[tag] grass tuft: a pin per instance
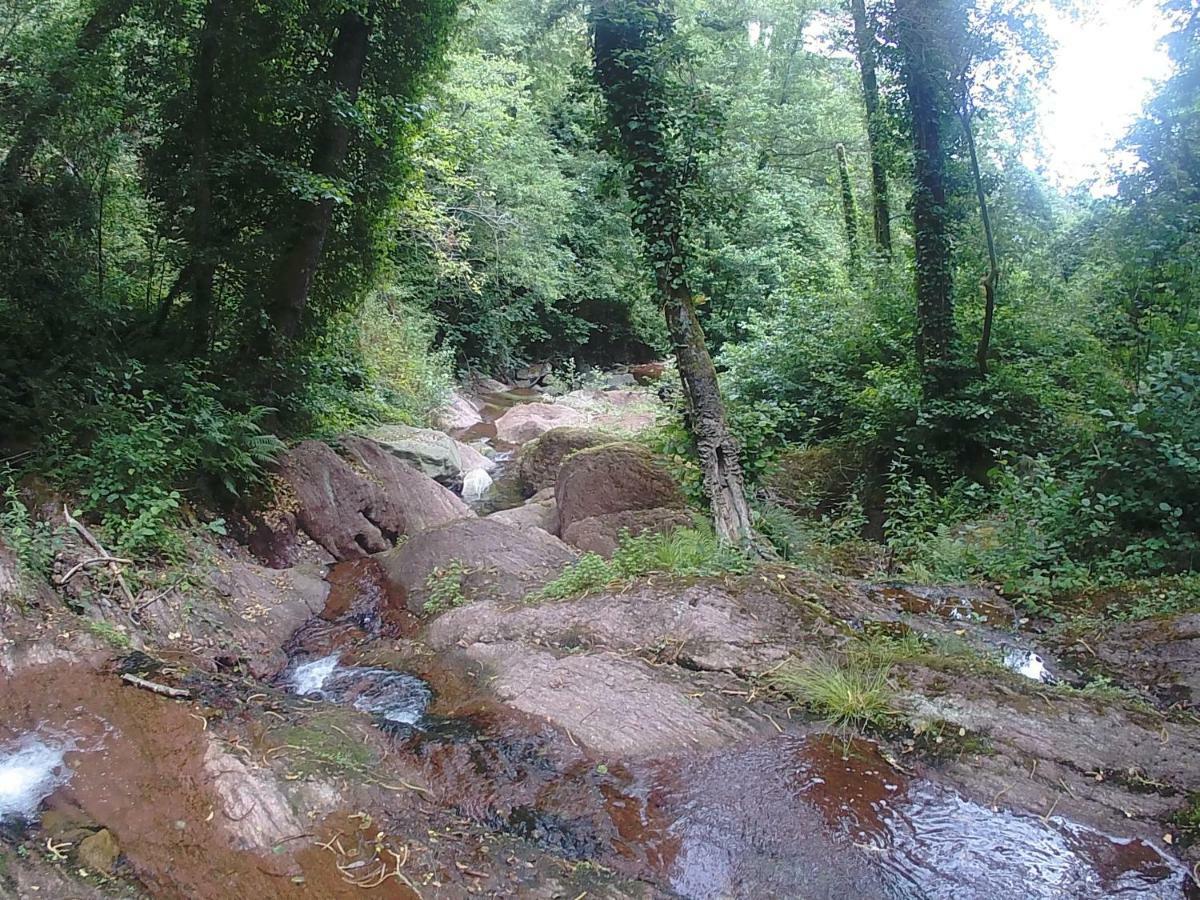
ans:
(852, 695)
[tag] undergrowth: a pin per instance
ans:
(445, 588)
(851, 693)
(683, 551)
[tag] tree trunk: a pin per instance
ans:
(849, 207)
(991, 280)
(298, 266)
(104, 19)
(929, 92)
(628, 44)
(203, 263)
(864, 39)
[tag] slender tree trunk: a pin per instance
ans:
(849, 207)
(203, 265)
(991, 280)
(864, 39)
(628, 41)
(298, 266)
(104, 19)
(929, 92)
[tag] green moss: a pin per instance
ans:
(322, 746)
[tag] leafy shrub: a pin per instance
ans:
(445, 588)
(32, 540)
(140, 440)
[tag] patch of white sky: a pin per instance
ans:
(1109, 58)
(1106, 66)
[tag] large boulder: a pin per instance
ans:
(355, 510)
(537, 465)
(539, 511)
(433, 453)
(602, 534)
(527, 421)
(612, 478)
(459, 413)
(624, 411)
(490, 558)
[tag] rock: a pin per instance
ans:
(407, 501)
(472, 459)
(614, 380)
(355, 511)
(609, 479)
(708, 624)
(498, 560)
(1160, 654)
(98, 852)
(533, 375)
(459, 414)
(538, 462)
(527, 421)
(619, 410)
(433, 453)
(602, 534)
(611, 705)
(539, 511)
(648, 373)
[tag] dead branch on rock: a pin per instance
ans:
(80, 566)
(114, 563)
(155, 687)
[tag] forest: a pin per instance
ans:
(623, 448)
(227, 225)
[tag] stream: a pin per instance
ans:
(807, 815)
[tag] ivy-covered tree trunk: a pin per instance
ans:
(864, 41)
(107, 15)
(849, 207)
(631, 65)
(930, 93)
(298, 267)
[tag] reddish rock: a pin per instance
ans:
(602, 534)
(353, 510)
(537, 466)
(493, 559)
(527, 421)
(612, 479)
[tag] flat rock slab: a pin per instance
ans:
(612, 704)
(1161, 655)
(705, 624)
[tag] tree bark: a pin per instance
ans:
(864, 39)
(849, 207)
(298, 266)
(991, 280)
(628, 44)
(929, 90)
(203, 262)
(104, 19)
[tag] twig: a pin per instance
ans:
(113, 566)
(155, 687)
(79, 567)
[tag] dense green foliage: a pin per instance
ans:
(175, 176)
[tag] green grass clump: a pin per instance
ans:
(684, 552)
(853, 694)
(445, 588)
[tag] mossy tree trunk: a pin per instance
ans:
(631, 65)
(929, 87)
(849, 207)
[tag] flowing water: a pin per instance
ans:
(31, 768)
(795, 816)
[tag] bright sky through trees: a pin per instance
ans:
(1105, 68)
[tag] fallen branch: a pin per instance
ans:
(79, 567)
(113, 565)
(155, 687)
